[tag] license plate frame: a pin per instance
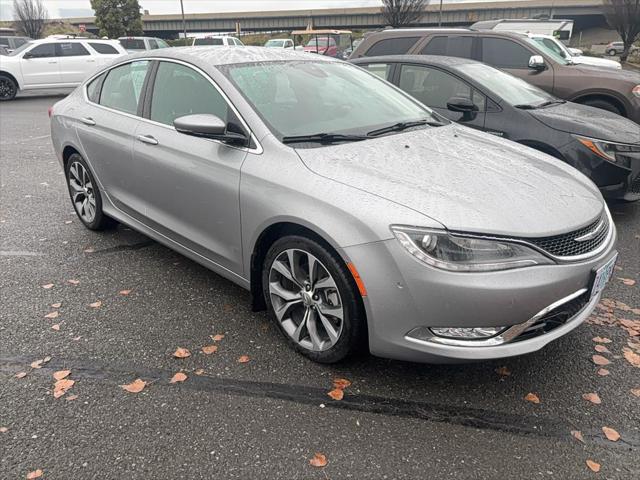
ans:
(602, 276)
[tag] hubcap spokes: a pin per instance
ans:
(82, 194)
(6, 89)
(306, 300)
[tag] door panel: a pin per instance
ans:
(43, 68)
(76, 63)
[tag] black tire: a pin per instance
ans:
(603, 105)
(611, 52)
(8, 88)
(353, 336)
(99, 220)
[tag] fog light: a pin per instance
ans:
(467, 333)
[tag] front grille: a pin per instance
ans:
(635, 185)
(555, 318)
(565, 245)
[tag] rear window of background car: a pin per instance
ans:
(208, 41)
(133, 43)
(458, 46)
(103, 48)
(391, 46)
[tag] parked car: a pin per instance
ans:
(573, 55)
(11, 43)
(279, 43)
(602, 145)
(53, 63)
(616, 48)
(3, 50)
(137, 44)
(617, 91)
(322, 45)
(430, 240)
(217, 41)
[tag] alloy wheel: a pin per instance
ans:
(7, 89)
(82, 192)
(306, 300)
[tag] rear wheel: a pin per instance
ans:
(611, 52)
(603, 105)
(8, 88)
(85, 195)
(313, 299)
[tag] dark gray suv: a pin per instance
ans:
(617, 91)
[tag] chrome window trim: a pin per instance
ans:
(257, 150)
(509, 333)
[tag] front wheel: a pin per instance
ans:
(603, 105)
(8, 88)
(313, 299)
(611, 53)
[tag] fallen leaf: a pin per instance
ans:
(54, 314)
(134, 387)
(71, 398)
(601, 340)
(603, 372)
(61, 387)
(632, 357)
(47, 286)
(592, 397)
(601, 349)
(56, 327)
(68, 222)
(37, 364)
(124, 292)
(199, 371)
(593, 466)
(35, 474)
(600, 360)
(46, 359)
(60, 374)
(89, 250)
(319, 460)
(97, 304)
(20, 374)
(4, 429)
(341, 383)
(611, 434)
(75, 339)
(73, 282)
(178, 377)
(217, 338)
(635, 391)
(336, 394)
(209, 349)
(577, 434)
(532, 397)
(503, 371)
(627, 281)
(56, 305)
(181, 353)
(243, 359)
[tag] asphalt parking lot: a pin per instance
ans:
(127, 303)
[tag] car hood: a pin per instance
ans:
(465, 179)
(624, 76)
(599, 62)
(588, 121)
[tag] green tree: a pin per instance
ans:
(117, 18)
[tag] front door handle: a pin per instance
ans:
(148, 139)
(88, 121)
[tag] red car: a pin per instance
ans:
(322, 45)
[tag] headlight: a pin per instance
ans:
(466, 253)
(613, 152)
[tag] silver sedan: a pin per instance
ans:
(354, 214)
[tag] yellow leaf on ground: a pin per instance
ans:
(56, 327)
(593, 466)
(635, 391)
(60, 374)
(199, 371)
(52, 314)
(178, 377)
(532, 397)
(61, 387)
(319, 460)
(71, 398)
(73, 282)
(134, 387)
(35, 474)
(209, 349)
(336, 394)
(592, 397)
(577, 434)
(243, 359)
(601, 349)
(56, 305)
(36, 364)
(47, 286)
(20, 374)
(4, 429)
(600, 360)
(611, 434)
(627, 281)
(181, 353)
(217, 337)
(603, 372)
(601, 340)
(341, 383)
(97, 304)
(124, 292)
(632, 357)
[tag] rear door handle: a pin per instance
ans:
(88, 121)
(148, 139)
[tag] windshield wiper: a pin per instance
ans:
(398, 127)
(324, 138)
(529, 106)
(550, 102)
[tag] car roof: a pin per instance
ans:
(437, 60)
(214, 56)
(66, 40)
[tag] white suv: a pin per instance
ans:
(217, 40)
(52, 63)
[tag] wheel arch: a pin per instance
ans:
(67, 151)
(12, 77)
(605, 96)
(543, 147)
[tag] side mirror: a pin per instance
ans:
(28, 55)
(536, 62)
(463, 105)
(207, 126)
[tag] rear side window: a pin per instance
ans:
(71, 49)
(459, 46)
(209, 41)
(153, 45)
(133, 43)
(382, 70)
(392, 46)
(123, 85)
(19, 42)
(104, 49)
(93, 88)
(4, 41)
(179, 90)
(161, 43)
(502, 53)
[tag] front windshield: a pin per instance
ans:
(321, 41)
(512, 89)
(554, 45)
(540, 46)
(21, 48)
(307, 98)
(274, 43)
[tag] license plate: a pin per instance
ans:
(603, 275)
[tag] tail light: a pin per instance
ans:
(50, 111)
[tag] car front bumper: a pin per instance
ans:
(404, 294)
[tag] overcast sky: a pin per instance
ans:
(79, 8)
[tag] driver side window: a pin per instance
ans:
(45, 50)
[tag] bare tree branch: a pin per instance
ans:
(624, 16)
(400, 13)
(30, 17)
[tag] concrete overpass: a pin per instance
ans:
(586, 13)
